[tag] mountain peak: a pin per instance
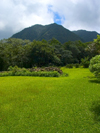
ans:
(47, 32)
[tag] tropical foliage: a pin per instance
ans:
(27, 54)
(95, 66)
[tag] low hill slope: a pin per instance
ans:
(87, 36)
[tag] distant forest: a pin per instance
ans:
(25, 53)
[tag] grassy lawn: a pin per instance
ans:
(50, 105)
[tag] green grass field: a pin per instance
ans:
(50, 105)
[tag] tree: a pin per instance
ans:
(94, 47)
(1, 64)
(85, 62)
(13, 52)
(82, 48)
(94, 66)
(42, 54)
(54, 41)
(65, 56)
(74, 49)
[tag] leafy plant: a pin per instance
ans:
(85, 62)
(77, 65)
(94, 66)
(15, 71)
(10, 68)
(69, 66)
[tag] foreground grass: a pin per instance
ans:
(50, 105)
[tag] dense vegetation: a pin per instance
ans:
(27, 54)
(41, 72)
(95, 66)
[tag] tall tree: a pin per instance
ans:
(42, 54)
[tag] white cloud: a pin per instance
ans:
(84, 15)
(75, 14)
(2, 25)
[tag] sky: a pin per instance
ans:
(16, 15)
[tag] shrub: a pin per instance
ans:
(24, 72)
(85, 62)
(2, 74)
(45, 74)
(27, 73)
(38, 69)
(77, 65)
(18, 74)
(10, 73)
(10, 68)
(69, 66)
(94, 66)
(14, 70)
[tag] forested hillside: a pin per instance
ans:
(47, 32)
(87, 36)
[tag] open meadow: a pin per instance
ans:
(50, 104)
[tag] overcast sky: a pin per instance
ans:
(72, 14)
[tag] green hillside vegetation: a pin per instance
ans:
(87, 36)
(47, 32)
(51, 105)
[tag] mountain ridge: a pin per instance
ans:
(87, 36)
(39, 32)
(47, 32)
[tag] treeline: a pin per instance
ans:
(25, 53)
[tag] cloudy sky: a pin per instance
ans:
(72, 14)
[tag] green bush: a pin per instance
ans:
(94, 66)
(77, 65)
(69, 66)
(10, 68)
(45, 74)
(85, 62)
(4, 74)
(23, 70)
(18, 74)
(27, 73)
(15, 71)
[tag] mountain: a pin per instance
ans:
(87, 36)
(47, 32)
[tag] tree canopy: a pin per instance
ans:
(25, 53)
